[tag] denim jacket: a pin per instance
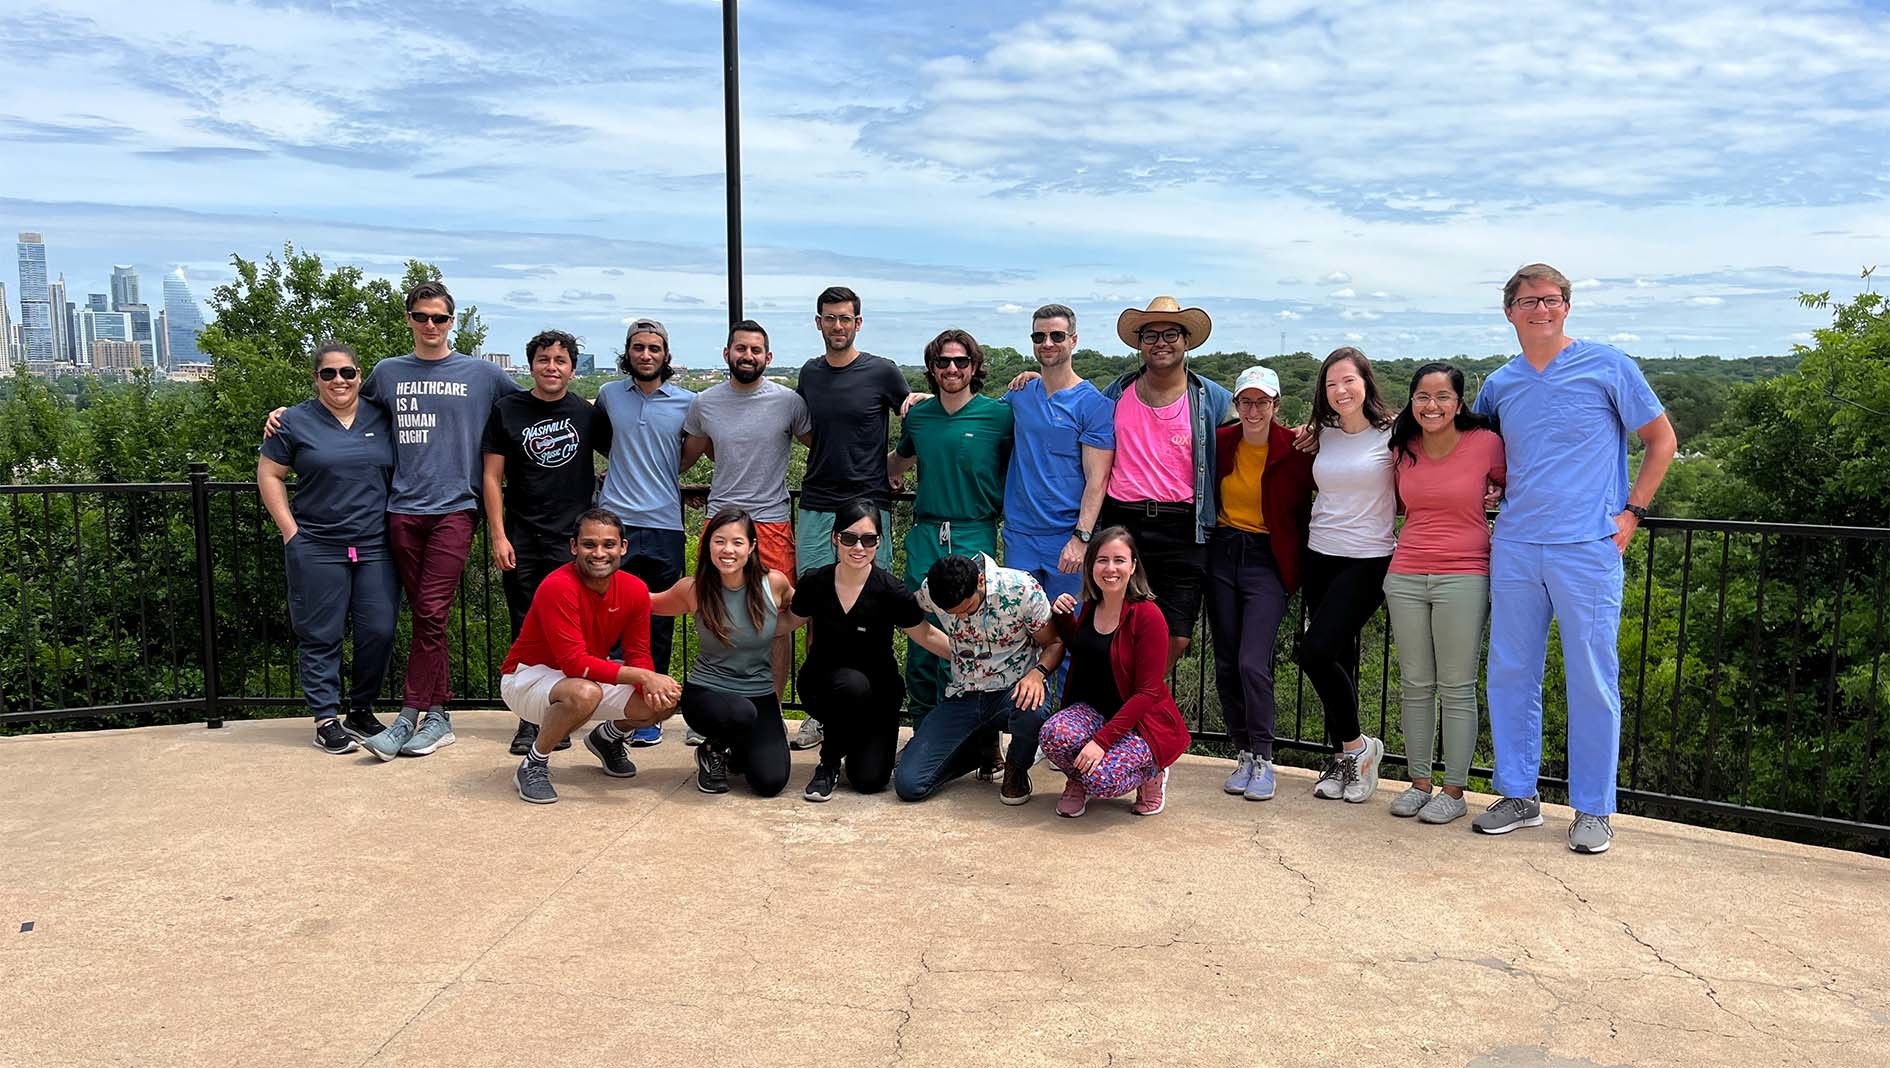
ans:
(1208, 402)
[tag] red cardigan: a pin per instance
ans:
(1139, 660)
(1286, 489)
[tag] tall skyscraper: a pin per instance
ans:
(183, 321)
(6, 333)
(163, 335)
(36, 317)
(141, 330)
(97, 322)
(124, 287)
(61, 336)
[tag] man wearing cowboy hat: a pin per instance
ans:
(1162, 486)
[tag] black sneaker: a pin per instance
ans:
(361, 725)
(534, 783)
(523, 738)
(611, 754)
(330, 738)
(820, 787)
(711, 769)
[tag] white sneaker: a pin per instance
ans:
(1330, 786)
(1362, 780)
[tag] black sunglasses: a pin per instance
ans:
(423, 317)
(952, 361)
(850, 539)
(347, 374)
(1058, 336)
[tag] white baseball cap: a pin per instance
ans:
(1260, 378)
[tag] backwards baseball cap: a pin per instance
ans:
(648, 326)
(1260, 378)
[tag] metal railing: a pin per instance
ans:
(1751, 653)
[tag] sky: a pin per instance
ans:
(1312, 175)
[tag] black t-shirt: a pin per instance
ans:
(549, 477)
(1092, 679)
(863, 638)
(850, 408)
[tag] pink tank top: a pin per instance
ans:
(1154, 451)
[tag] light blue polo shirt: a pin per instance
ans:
(1565, 432)
(644, 435)
(1043, 488)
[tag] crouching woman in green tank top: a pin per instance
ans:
(739, 607)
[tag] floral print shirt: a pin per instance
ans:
(992, 648)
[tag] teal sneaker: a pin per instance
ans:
(386, 744)
(436, 732)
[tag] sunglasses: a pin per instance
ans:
(850, 539)
(346, 374)
(1058, 336)
(952, 361)
(423, 317)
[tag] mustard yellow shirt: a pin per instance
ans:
(1240, 490)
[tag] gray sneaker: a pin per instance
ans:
(808, 736)
(1507, 814)
(1360, 785)
(1243, 774)
(534, 783)
(436, 732)
(1442, 808)
(386, 744)
(1411, 802)
(1590, 834)
(1330, 786)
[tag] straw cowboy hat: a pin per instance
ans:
(1163, 310)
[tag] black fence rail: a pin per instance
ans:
(1751, 653)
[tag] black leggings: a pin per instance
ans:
(1341, 594)
(859, 716)
(749, 728)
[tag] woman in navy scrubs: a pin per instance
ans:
(334, 542)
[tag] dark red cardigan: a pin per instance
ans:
(1139, 660)
(1286, 489)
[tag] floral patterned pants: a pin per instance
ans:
(1123, 768)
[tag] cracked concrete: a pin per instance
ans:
(237, 898)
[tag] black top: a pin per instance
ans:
(549, 478)
(1092, 679)
(849, 407)
(342, 474)
(863, 638)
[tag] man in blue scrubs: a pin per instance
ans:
(1565, 408)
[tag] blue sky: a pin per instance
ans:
(1341, 173)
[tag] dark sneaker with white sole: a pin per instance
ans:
(361, 724)
(617, 763)
(330, 738)
(711, 769)
(820, 787)
(534, 783)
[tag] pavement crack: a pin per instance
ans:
(912, 1006)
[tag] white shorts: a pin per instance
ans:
(527, 692)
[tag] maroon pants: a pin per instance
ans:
(430, 553)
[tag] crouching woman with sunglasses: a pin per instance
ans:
(850, 680)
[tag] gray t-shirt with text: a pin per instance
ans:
(753, 435)
(439, 408)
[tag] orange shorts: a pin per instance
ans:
(776, 542)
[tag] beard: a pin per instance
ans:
(652, 376)
(745, 373)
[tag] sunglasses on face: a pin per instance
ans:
(1058, 336)
(423, 317)
(850, 539)
(952, 361)
(346, 374)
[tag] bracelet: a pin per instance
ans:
(1039, 667)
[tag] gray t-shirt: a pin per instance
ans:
(753, 435)
(439, 409)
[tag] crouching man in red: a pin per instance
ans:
(556, 674)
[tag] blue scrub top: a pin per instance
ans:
(1043, 488)
(342, 474)
(1565, 432)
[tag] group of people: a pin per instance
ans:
(1122, 510)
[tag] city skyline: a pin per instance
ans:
(78, 315)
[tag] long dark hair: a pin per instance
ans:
(1377, 412)
(1138, 588)
(1406, 431)
(710, 610)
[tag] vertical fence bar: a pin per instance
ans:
(1873, 708)
(87, 666)
(1791, 671)
(1679, 661)
(1712, 685)
(1640, 685)
(1830, 679)
(29, 611)
(50, 570)
(1756, 673)
(206, 591)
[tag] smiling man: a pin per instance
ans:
(1565, 408)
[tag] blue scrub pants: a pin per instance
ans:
(327, 593)
(1579, 585)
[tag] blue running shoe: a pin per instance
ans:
(386, 744)
(436, 732)
(644, 737)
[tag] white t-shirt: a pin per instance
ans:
(1357, 503)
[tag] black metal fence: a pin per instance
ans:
(1752, 653)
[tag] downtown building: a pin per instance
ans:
(36, 316)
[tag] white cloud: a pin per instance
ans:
(1706, 302)
(1358, 313)
(1336, 278)
(1287, 313)
(1624, 338)
(1645, 283)
(1010, 309)
(1803, 337)
(680, 298)
(1343, 294)
(1379, 294)
(1586, 283)
(1354, 337)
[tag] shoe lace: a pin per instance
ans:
(536, 772)
(714, 759)
(1584, 820)
(1331, 770)
(1510, 805)
(1348, 769)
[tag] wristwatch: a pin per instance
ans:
(1047, 672)
(1639, 512)
(1083, 535)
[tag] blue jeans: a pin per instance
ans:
(955, 735)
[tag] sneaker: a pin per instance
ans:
(1590, 834)
(1016, 788)
(361, 724)
(820, 787)
(1410, 802)
(523, 738)
(1075, 799)
(386, 744)
(644, 737)
(808, 736)
(436, 732)
(331, 738)
(693, 737)
(1152, 797)
(534, 783)
(1442, 808)
(1507, 814)
(711, 769)
(1260, 788)
(992, 766)
(1329, 787)
(611, 754)
(1243, 774)
(1363, 781)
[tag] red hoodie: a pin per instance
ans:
(572, 629)
(1139, 659)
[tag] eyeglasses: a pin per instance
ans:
(1253, 404)
(961, 362)
(1170, 335)
(346, 374)
(850, 539)
(1038, 337)
(423, 317)
(838, 320)
(1434, 398)
(1532, 303)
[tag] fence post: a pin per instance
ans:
(206, 589)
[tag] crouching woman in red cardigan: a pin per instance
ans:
(1119, 728)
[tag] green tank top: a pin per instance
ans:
(744, 664)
